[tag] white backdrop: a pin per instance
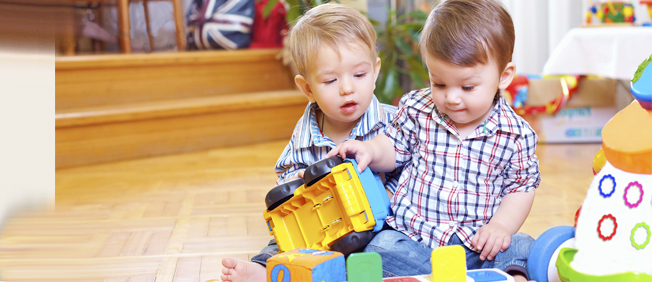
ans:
(541, 24)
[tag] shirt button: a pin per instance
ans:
(455, 184)
(451, 224)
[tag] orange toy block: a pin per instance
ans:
(305, 265)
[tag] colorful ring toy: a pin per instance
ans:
(647, 240)
(640, 199)
(613, 189)
(607, 216)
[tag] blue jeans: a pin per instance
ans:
(402, 256)
(266, 253)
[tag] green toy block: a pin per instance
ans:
(364, 267)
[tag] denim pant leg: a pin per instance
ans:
(401, 256)
(266, 253)
(513, 260)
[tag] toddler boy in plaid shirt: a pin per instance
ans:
(469, 163)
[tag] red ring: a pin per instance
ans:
(600, 225)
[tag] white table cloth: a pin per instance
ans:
(613, 52)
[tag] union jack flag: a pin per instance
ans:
(220, 24)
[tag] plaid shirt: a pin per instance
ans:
(308, 145)
(452, 185)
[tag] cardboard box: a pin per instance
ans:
(591, 92)
(594, 103)
(571, 125)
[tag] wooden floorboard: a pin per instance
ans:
(173, 218)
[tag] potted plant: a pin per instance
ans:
(399, 54)
(295, 8)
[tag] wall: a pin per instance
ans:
(26, 109)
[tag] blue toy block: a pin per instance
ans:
(487, 275)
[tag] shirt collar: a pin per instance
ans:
(502, 116)
(309, 134)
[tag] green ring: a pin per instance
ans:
(647, 240)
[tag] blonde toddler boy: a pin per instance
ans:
(334, 48)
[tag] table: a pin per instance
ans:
(613, 52)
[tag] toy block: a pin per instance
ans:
(449, 264)
(364, 267)
(489, 275)
(302, 265)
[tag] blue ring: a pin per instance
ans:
(613, 180)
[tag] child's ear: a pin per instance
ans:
(507, 76)
(377, 68)
(303, 85)
(376, 71)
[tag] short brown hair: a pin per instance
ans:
(331, 24)
(463, 32)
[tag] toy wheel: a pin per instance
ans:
(543, 249)
(352, 242)
(281, 193)
(318, 170)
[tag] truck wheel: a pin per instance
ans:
(352, 242)
(318, 170)
(281, 193)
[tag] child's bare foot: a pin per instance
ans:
(236, 270)
(519, 278)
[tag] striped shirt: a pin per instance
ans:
(452, 185)
(308, 145)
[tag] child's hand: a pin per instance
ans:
(363, 153)
(297, 176)
(389, 194)
(491, 239)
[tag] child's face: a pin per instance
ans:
(342, 86)
(466, 94)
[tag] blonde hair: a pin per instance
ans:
(464, 32)
(333, 25)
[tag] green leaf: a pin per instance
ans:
(411, 26)
(417, 67)
(268, 8)
(641, 68)
(403, 46)
(418, 82)
(373, 21)
(397, 93)
(391, 85)
(293, 14)
(415, 34)
(418, 15)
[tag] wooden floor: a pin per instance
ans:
(174, 218)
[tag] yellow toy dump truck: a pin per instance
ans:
(334, 207)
